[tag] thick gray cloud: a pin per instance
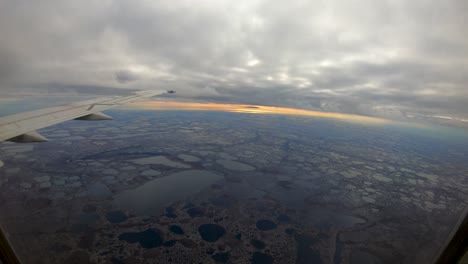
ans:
(125, 76)
(383, 58)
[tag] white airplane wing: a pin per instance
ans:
(22, 127)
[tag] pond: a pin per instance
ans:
(153, 196)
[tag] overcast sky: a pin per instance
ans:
(362, 57)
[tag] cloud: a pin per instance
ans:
(125, 76)
(360, 56)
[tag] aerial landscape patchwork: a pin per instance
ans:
(216, 187)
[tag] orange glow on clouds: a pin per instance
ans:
(249, 109)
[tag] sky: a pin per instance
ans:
(251, 109)
(396, 59)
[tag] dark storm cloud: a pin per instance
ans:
(365, 57)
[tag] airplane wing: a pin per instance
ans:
(21, 128)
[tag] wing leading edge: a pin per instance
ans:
(22, 127)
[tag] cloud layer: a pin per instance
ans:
(378, 58)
